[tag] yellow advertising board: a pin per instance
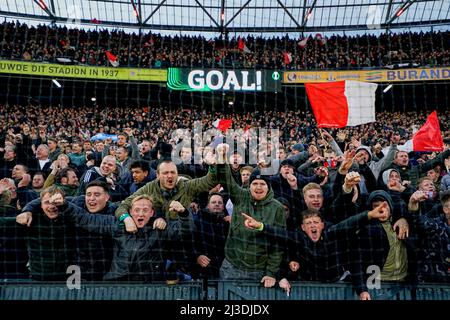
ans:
(83, 72)
(398, 75)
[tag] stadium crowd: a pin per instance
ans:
(128, 195)
(18, 41)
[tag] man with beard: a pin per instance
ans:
(168, 187)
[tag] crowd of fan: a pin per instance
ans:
(146, 206)
(47, 43)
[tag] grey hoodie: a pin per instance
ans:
(386, 175)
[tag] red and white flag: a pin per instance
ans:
(342, 103)
(223, 124)
(112, 59)
(242, 46)
(428, 138)
(303, 43)
(287, 57)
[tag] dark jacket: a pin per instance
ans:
(94, 252)
(371, 247)
(136, 257)
(323, 260)
(434, 233)
(13, 249)
(135, 186)
(211, 232)
(51, 246)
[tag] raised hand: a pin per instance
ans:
(381, 212)
(415, 199)
(326, 135)
(351, 179)
(292, 180)
(250, 222)
(348, 161)
(418, 196)
(396, 186)
(312, 150)
(159, 224)
(57, 199)
(25, 181)
(177, 207)
(130, 226)
(222, 151)
(356, 143)
(210, 159)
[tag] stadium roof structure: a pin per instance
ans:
(235, 15)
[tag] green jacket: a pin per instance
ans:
(186, 192)
(249, 249)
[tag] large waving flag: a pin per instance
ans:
(428, 138)
(112, 59)
(342, 103)
(242, 46)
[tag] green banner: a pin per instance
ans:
(84, 72)
(223, 80)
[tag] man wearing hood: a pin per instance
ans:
(393, 184)
(248, 255)
(381, 244)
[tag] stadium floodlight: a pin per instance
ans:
(56, 83)
(387, 88)
(93, 99)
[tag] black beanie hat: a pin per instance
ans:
(256, 175)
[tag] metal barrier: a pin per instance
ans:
(40, 291)
(215, 290)
(239, 290)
